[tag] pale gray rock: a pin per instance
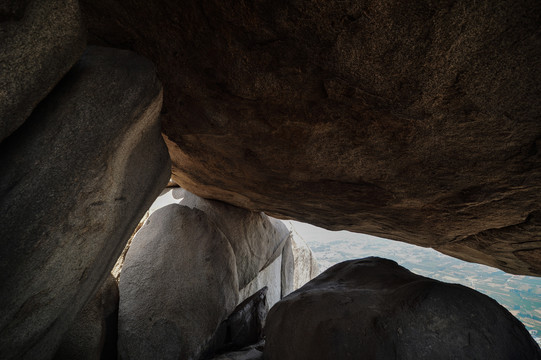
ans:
(76, 179)
(178, 283)
(270, 277)
(306, 266)
(40, 40)
(257, 239)
(373, 308)
(93, 334)
(288, 269)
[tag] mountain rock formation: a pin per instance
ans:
(417, 122)
(180, 279)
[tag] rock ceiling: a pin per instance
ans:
(418, 122)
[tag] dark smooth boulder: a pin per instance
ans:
(242, 328)
(40, 40)
(373, 308)
(417, 122)
(76, 179)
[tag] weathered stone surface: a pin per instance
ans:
(76, 178)
(271, 277)
(373, 308)
(93, 334)
(306, 266)
(288, 269)
(256, 239)
(178, 282)
(40, 40)
(416, 122)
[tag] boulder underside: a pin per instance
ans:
(415, 122)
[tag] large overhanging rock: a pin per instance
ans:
(419, 122)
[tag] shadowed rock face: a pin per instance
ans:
(372, 308)
(35, 35)
(419, 122)
(76, 178)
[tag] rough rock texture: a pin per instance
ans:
(40, 40)
(271, 277)
(178, 282)
(373, 308)
(306, 265)
(93, 334)
(256, 239)
(76, 178)
(413, 121)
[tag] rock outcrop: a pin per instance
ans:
(373, 308)
(288, 269)
(257, 240)
(40, 40)
(306, 266)
(76, 178)
(415, 122)
(178, 283)
(181, 278)
(93, 334)
(295, 267)
(270, 277)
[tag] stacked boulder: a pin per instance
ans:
(178, 282)
(82, 158)
(188, 267)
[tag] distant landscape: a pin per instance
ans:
(521, 295)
